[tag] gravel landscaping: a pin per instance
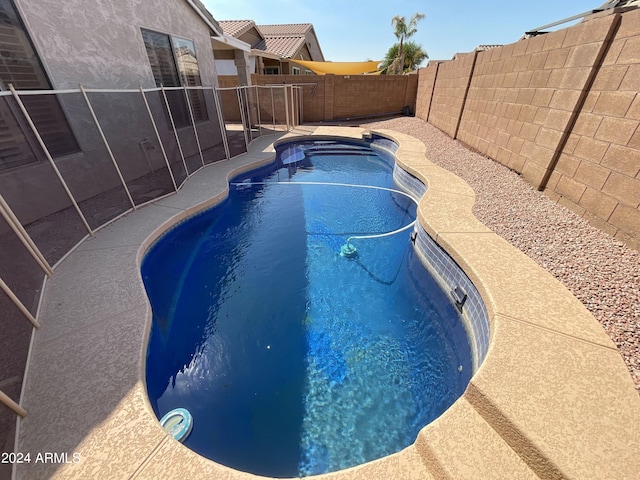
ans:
(598, 269)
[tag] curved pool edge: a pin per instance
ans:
(553, 397)
(521, 417)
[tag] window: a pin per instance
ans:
(271, 70)
(174, 64)
(308, 72)
(21, 67)
(160, 56)
(295, 70)
(185, 53)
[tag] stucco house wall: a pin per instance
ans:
(100, 44)
(102, 47)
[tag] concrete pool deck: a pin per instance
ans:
(552, 399)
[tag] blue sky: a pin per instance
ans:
(357, 30)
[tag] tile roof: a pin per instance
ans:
(287, 29)
(286, 39)
(283, 40)
(235, 28)
(285, 47)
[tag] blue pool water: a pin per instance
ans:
(292, 359)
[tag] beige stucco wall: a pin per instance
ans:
(100, 44)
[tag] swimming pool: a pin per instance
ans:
(292, 359)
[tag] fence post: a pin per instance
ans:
(301, 104)
(193, 122)
(273, 110)
(258, 111)
(223, 130)
(247, 105)
(24, 237)
(294, 111)
(4, 398)
(242, 119)
(18, 303)
(175, 132)
(286, 107)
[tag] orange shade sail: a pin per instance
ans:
(339, 68)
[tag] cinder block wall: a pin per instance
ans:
(411, 91)
(449, 93)
(364, 95)
(523, 95)
(598, 172)
(562, 109)
(335, 97)
(426, 82)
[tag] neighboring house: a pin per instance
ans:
(290, 42)
(274, 48)
(245, 31)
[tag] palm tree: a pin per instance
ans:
(403, 31)
(413, 55)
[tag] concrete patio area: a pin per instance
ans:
(552, 399)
